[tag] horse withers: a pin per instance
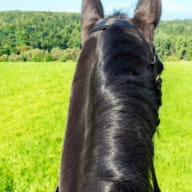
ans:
(115, 97)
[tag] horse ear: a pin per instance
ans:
(147, 16)
(92, 11)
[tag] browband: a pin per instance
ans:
(104, 24)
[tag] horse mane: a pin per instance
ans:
(122, 116)
(115, 97)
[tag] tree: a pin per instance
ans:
(180, 47)
(189, 49)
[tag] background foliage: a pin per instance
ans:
(47, 36)
(173, 40)
(39, 36)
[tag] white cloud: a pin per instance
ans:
(125, 6)
(172, 9)
(113, 6)
(173, 6)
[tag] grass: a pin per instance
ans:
(34, 101)
(173, 146)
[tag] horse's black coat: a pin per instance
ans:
(123, 115)
(113, 111)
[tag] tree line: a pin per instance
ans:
(48, 36)
(173, 39)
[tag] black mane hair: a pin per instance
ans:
(115, 97)
(122, 116)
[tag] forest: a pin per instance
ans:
(49, 36)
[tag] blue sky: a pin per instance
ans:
(172, 9)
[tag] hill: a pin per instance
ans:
(24, 31)
(173, 39)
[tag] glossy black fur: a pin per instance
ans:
(122, 116)
(113, 113)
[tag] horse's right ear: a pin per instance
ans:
(147, 16)
(92, 11)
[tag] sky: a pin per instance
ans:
(172, 9)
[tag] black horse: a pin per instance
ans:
(116, 94)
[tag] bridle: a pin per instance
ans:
(106, 23)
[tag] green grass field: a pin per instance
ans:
(33, 110)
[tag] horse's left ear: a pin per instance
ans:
(92, 11)
(147, 16)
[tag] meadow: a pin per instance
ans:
(33, 111)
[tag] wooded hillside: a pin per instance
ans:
(38, 36)
(174, 39)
